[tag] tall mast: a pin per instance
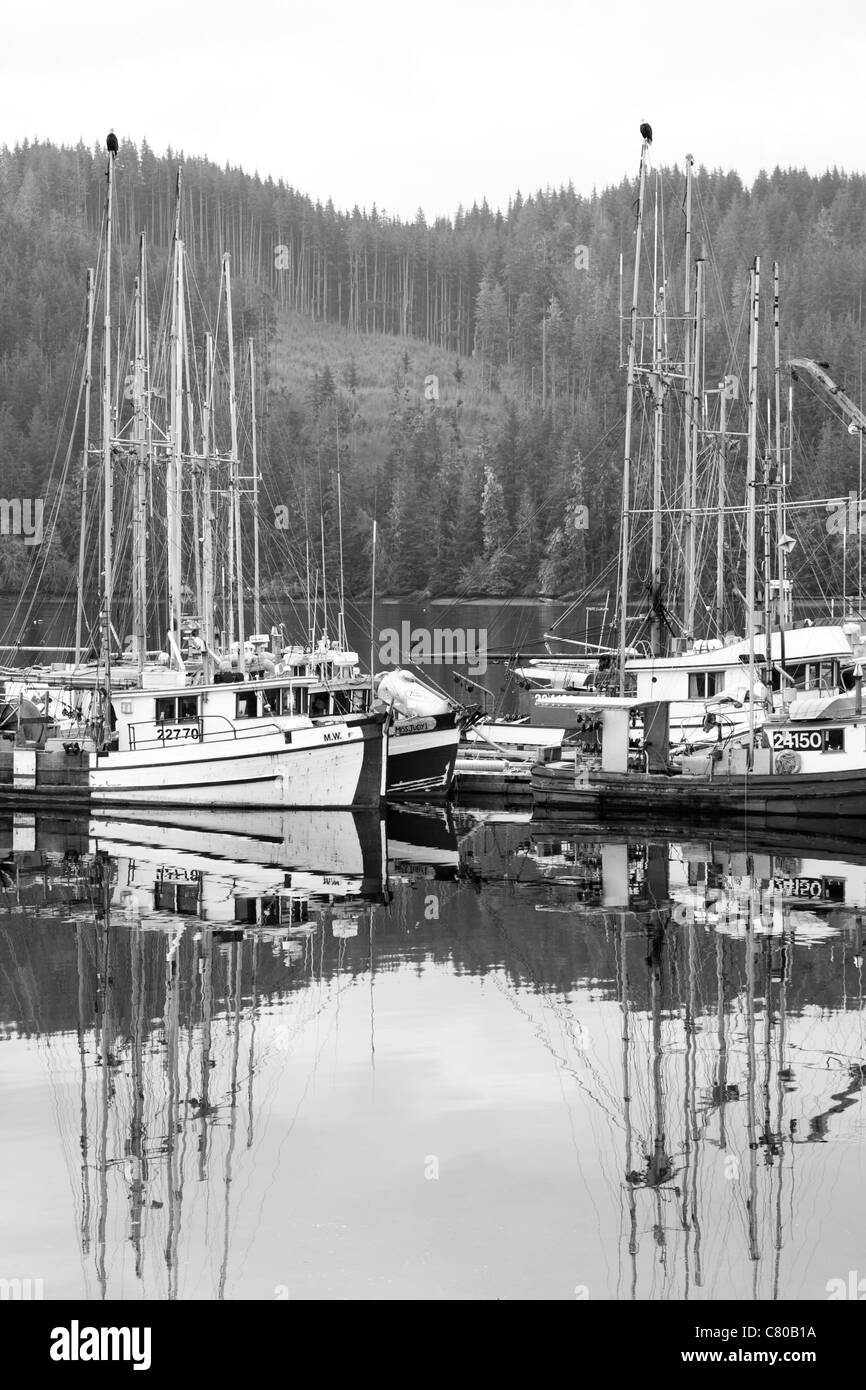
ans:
(694, 389)
(658, 435)
(625, 538)
(139, 513)
(342, 634)
(257, 598)
(107, 422)
(755, 291)
(722, 503)
(689, 326)
(207, 514)
(174, 470)
(82, 535)
(780, 481)
(234, 485)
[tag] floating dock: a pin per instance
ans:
(48, 776)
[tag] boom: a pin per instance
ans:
(856, 418)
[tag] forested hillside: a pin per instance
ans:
(480, 490)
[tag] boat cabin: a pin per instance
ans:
(814, 657)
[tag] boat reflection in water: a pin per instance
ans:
(331, 1056)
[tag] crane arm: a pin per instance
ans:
(856, 418)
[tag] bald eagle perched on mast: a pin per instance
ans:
(111, 143)
(646, 131)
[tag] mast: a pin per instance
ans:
(82, 535)
(342, 636)
(689, 326)
(234, 485)
(193, 480)
(780, 482)
(207, 515)
(257, 598)
(658, 436)
(107, 476)
(173, 471)
(722, 502)
(755, 289)
(139, 511)
(767, 565)
(373, 618)
(694, 387)
(625, 538)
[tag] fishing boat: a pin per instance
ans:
(679, 646)
(142, 726)
(423, 726)
(803, 760)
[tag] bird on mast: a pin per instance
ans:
(111, 143)
(646, 131)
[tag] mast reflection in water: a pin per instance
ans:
(322, 1056)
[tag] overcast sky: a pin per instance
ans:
(443, 103)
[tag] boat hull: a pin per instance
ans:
(421, 756)
(792, 799)
(330, 766)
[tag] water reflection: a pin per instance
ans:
(327, 1055)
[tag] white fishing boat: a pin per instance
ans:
(196, 745)
(804, 762)
(676, 645)
(160, 727)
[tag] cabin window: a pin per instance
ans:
(814, 675)
(319, 704)
(342, 701)
(298, 671)
(177, 709)
(703, 685)
(246, 705)
(270, 702)
(293, 699)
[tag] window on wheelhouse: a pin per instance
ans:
(319, 702)
(187, 708)
(294, 699)
(177, 709)
(813, 675)
(246, 705)
(703, 685)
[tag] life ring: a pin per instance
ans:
(787, 762)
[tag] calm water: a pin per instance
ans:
(323, 1056)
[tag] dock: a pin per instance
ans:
(48, 776)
